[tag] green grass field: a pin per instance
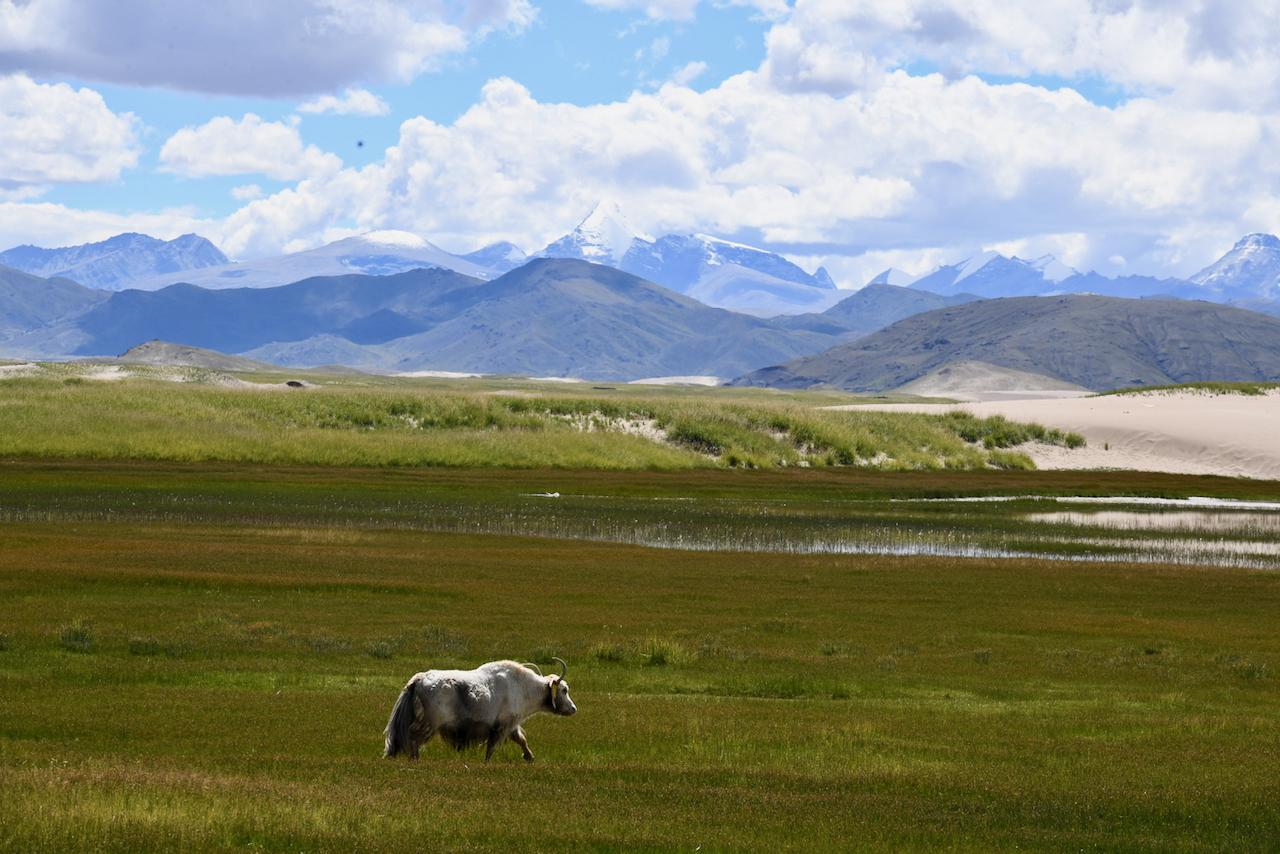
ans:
(383, 421)
(203, 656)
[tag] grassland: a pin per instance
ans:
(203, 656)
(58, 413)
(1251, 389)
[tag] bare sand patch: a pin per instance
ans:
(1181, 432)
(107, 373)
(974, 380)
(24, 369)
(700, 380)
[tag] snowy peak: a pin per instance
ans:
(393, 237)
(969, 266)
(991, 274)
(501, 257)
(1051, 268)
(1257, 241)
(604, 237)
(1250, 271)
(892, 276)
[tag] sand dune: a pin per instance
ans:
(1184, 432)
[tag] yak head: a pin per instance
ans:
(558, 691)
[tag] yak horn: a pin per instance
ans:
(564, 668)
(533, 667)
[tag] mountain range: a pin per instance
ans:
(1091, 341)
(557, 317)
(717, 272)
(118, 262)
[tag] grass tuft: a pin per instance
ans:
(145, 646)
(77, 637)
(664, 652)
(610, 652)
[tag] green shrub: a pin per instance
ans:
(145, 646)
(77, 637)
(380, 649)
(609, 652)
(662, 652)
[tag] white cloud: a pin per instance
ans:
(53, 134)
(246, 47)
(357, 102)
(686, 74)
(247, 192)
(1207, 52)
(918, 165)
(48, 224)
(250, 146)
(828, 152)
(683, 10)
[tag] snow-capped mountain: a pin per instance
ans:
(603, 237)
(500, 257)
(893, 276)
(116, 263)
(376, 253)
(1249, 272)
(718, 272)
(990, 274)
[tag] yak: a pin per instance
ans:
(467, 707)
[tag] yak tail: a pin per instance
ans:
(397, 731)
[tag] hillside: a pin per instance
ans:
(1091, 341)
(872, 308)
(30, 302)
(560, 317)
(550, 317)
(170, 354)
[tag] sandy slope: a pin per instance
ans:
(1186, 432)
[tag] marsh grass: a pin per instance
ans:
(405, 425)
(1074, 735)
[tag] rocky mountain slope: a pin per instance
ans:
(1091, 341)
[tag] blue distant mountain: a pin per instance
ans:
(115, 263)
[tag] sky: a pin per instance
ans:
(1124, 136)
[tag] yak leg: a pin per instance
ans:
(495, 736)
(518, 738)
(417, 738)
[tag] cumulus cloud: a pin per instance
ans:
(830, 151)
(49, 224)
(55, 134)
(246, 47)
(250, 146)
(918, 164)
(1206, 52)
(247, 192)
(357, 102)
